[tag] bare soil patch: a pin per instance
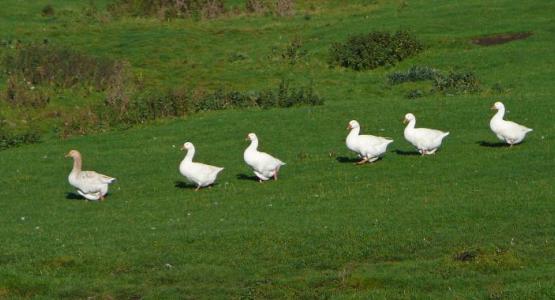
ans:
(501, 38)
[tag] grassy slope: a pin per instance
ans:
(326, 228)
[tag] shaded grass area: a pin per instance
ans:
(394, 229)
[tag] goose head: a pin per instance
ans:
(353, 124)
(408, 118)
(187, 146)
(73, 154)
(251, 137)
(498, 105)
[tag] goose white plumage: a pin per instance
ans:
(507, 131)
(368, 147)
(200, 174)
(263, 164)
(89, 184)
(427, 141)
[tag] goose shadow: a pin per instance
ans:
(492, 145)
(246, 177)
(74, 196)
(345, 159)
(190, 186)
(184, 185)
(407, 153)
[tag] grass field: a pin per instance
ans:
(474, 221)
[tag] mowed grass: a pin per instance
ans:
(326, 228)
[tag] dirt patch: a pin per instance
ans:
(500, 38)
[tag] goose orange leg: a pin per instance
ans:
(364, 160)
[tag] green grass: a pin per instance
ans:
(327, 228)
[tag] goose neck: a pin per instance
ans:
(353, 133)
(253, 146)
(499, 114)
(190, 154)
(411, 124)
(77, 164)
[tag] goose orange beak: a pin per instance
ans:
(404, 121)
(182, 148)
(67, 155)
(493, 107)
(349, 127)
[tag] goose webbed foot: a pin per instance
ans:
(363, 161)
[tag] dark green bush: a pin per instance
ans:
(168, 9)
(375, 49)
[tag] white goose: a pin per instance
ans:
(427, 141)
(368, 147)
(507, 131)
(200, 174)
(89, 184)
(263, 164)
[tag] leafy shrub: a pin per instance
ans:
(375, 49)
(415, 73)
(168, 9)
(61, 67)
(457, 82)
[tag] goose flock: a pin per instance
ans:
(369, 148)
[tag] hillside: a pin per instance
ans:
(476, 220)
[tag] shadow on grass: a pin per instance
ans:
(247, 177)
(191, 186)
(184, 185)
(345, 159)
(492, 145)
(401, 152)
(74, 196)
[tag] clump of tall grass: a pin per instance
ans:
(150, 105)
(168, 9)
(22, 93)
(60, 66)
(281, 8)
